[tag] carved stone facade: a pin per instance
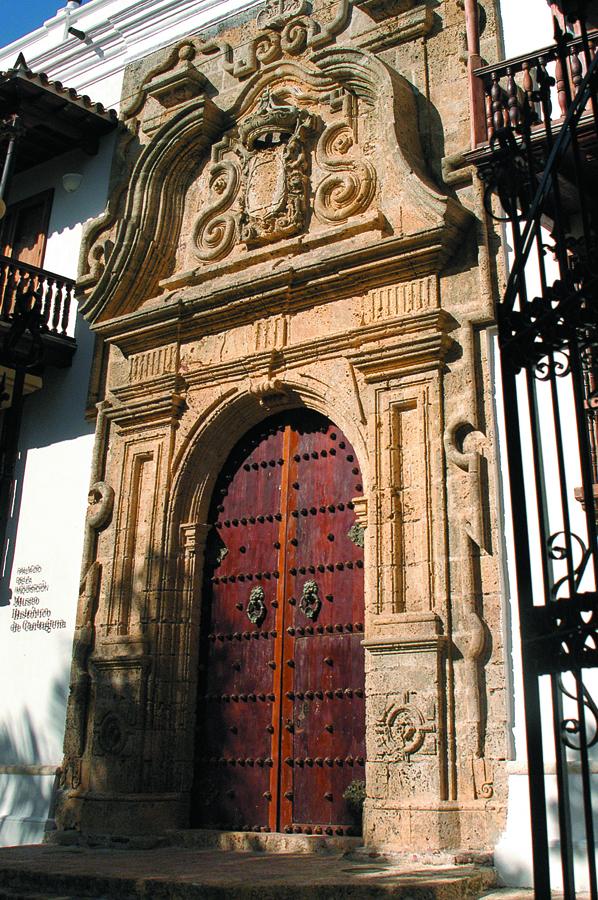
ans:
(278, 236)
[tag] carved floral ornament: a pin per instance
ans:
(259, 178)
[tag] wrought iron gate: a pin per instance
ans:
(541, 160)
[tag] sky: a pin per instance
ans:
(21, 17)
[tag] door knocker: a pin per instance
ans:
(310, 602)
(256, 608)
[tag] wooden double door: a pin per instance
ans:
(281, 722)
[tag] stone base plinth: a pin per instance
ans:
(417, 828)
(140, 814)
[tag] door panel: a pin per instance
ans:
(25, 229)
(281, 723)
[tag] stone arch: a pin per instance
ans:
(196, 470)
(235, 419)
(224, 423)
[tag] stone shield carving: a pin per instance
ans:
(258, 183)
(274, 200)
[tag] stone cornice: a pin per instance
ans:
(338, 271)
(414, 342)
(136, 414)
(398, 357)
(399, 644)
(408, 26)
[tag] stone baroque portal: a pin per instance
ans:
(279, 242)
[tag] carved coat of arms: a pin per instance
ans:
(274, 201)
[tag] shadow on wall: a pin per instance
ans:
(25, 799)
(51, 416)
(56, 413)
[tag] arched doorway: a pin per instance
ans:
(281, 722)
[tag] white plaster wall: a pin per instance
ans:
(46, 526)
(526, 26)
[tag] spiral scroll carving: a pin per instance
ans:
(349, 187)
(100, 505)
(294, 36)
(215, 232)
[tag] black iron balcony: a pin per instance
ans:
(54, 297)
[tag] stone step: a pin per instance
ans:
(510, 894)
(19, 895)
(180, 873)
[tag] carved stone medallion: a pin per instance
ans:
(402, 731)
(111, 734)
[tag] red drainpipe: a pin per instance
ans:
(477, 101)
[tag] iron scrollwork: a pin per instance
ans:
(548, 332)
(565, 635)
(559, 551)
(571, 727)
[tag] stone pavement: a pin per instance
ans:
(178, 873)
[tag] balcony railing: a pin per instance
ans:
(536, 89)
(20, 282)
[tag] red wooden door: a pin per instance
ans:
(281, 725)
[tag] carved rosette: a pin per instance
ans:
(349, 186)
(274, 200)
(402, 731)
(111, 734)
